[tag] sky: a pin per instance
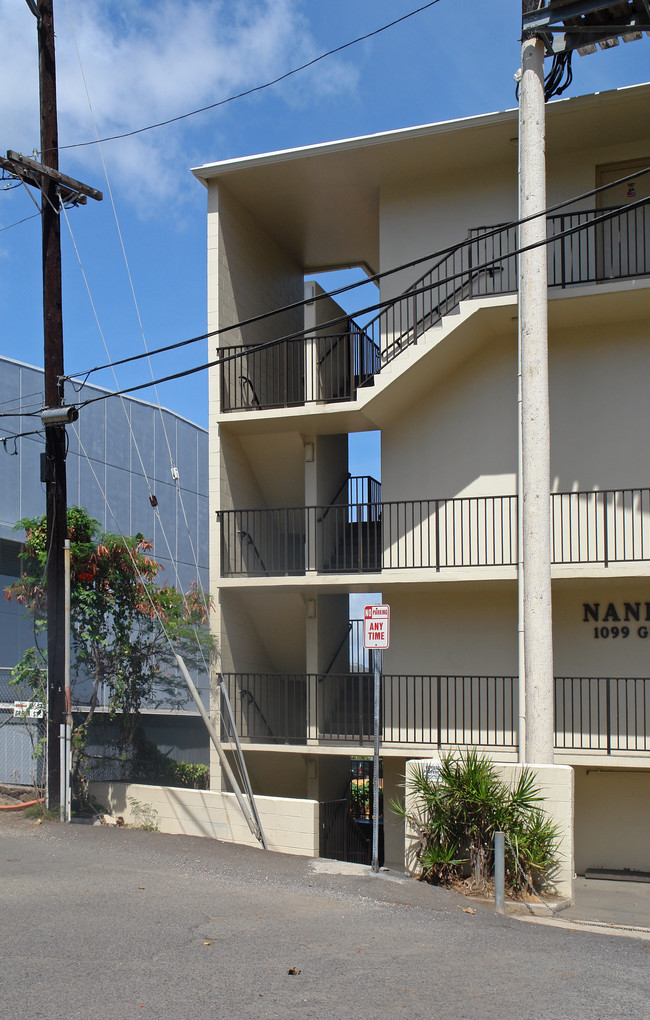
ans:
(134, 265)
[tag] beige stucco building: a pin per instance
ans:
(436, 373)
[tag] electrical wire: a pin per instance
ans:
(18, 222)
(173, 468)
(21, 435)
(440, 253)
(20, 414)
(152, 497)
(256, 88)
(36, 393)
(145, 587)
(560, 76)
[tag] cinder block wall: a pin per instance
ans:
(290, 826)
(555, 783)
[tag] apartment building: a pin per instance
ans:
(435, 372)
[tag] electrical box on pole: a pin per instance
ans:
(582, 25)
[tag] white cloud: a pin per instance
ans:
(147, 61)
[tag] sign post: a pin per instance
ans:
(376, 636)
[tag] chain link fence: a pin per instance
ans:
(169, 749)
(22, 735)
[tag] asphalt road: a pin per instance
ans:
(112, 923)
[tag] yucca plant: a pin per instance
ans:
(459, 809)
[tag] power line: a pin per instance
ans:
(256, 88)
(20, 414)
(18, 222)
(35, 393)
(173, 467)
(440, 253)
(478, 267)
(19, 435)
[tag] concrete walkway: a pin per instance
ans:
(611, 902)
(614, 907)
(600, 905)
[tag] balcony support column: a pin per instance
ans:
(311, 345)
(311, 500)
(534, 482)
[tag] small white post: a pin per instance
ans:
(62, 779)
(65, 800)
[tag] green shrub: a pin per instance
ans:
(360, 796)
(459, 809)
(184, 773)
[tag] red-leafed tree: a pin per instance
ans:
(125, 625)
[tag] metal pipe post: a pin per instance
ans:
(499, 872)
(250, 821)
(66, 763)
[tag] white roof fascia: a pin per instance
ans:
(208, 170)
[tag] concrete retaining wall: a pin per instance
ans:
(290, 826)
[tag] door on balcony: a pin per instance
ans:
(621, 241)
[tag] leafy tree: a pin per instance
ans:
(124, 624)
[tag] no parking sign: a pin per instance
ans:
(376, 626)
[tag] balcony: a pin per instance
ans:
(583, 249)
(326, 368)
(605, 715)
(364, 535)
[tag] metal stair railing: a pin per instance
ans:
(582, 248)
(459, 275)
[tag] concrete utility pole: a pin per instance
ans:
(556, 27)
(534, 482)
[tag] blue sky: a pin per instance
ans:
(144, 62)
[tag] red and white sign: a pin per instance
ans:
(376, 626)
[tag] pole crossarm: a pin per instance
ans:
(30, 171)
(566, 25)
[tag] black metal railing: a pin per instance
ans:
(607, 715)
(583, 248)
(326, 368)
(358, 656)
(605, 526)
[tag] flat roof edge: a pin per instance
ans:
(209, 170)
(112, 393)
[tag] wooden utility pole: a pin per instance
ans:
(55, 188)
(55, 439)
